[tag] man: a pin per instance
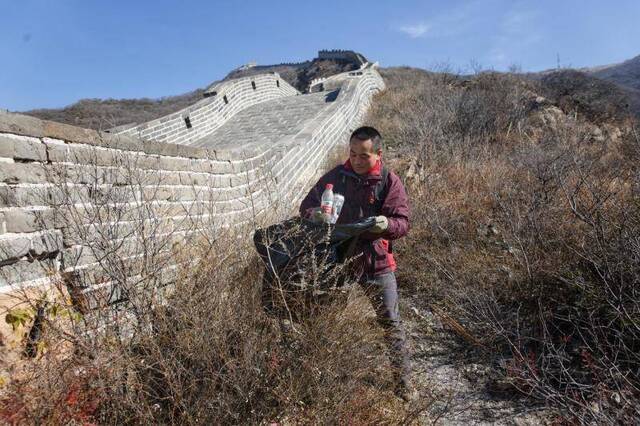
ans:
(370, 190)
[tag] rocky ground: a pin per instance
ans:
(465, 391)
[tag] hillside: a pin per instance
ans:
(626, 73)
(581, 93)
(103, 114)
(299, 75)
(524, 245)
(107, 113)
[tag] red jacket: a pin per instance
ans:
(359, 195)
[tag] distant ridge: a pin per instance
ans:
(626, 73)
(625, 76)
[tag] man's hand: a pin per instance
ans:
(382, 223)
(316, 215)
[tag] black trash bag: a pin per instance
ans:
(302, 256)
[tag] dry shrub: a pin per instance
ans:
(166, 323)
(100, 114)
(525, 232)
(597, 100)
(209, 354)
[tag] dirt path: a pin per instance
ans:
(463, 388)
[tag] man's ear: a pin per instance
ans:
(379, 153)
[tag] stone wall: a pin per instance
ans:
(72, 200)
(223, 101)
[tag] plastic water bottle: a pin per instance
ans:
(338, 202)
(326, 202)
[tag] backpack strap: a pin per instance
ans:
(381, 190)
(340, 185)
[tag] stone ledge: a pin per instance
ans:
(24, 125)
(22, 148)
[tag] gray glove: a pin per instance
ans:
(382, 223)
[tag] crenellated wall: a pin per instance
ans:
(223, 101)
(72, 200)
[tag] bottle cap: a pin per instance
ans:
(329, 186)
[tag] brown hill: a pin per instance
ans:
(103, 114)
(625, 74)
(299, 75)
(580, 93)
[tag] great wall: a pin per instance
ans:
(208, 161)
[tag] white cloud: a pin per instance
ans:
(452, 22)
(415, 31)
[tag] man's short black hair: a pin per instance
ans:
(365, 133)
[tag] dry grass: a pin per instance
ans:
(180, 335)
(525, 232)
(209, 354)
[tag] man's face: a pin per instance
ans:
(362, 156)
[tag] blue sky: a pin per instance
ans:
(55, 52)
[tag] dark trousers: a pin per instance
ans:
(382, 291)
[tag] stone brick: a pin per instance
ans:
(175, 164)
(23, 270)
(228, 194)
(22, 148)
(81, 154)
(157, 193)
(23, 196)
(198, 179)
(94, 233)
(192, 151)
(158, 148)
(121, 142)
(14, 247)
(13, 173)
(149, 162)
(77, 256)
(221, 167)
(31, 126)
(57, 152)
(63, 194)
(219, 181)
(46, 242)
(232, 205)
(184, 194)
(239, 179)
(19, 220)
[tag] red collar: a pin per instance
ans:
(376, 170)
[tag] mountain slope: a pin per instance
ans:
(626, 75)
(103, 114)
